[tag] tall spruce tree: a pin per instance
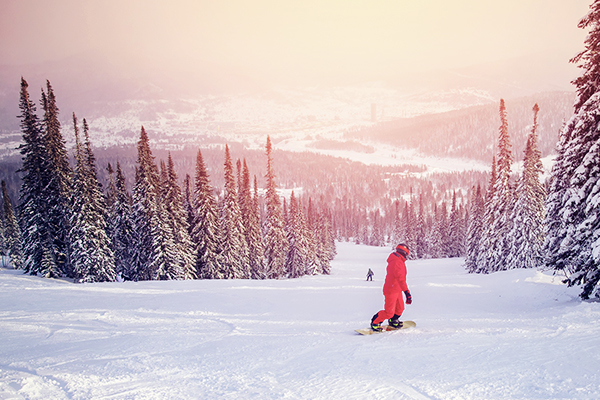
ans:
(244, 196)
(435, 234)
(484, 251)
(3, 250)
(33, 210)
(578, 247)
(420, 240)
(527, 237)
(256, 248)
(122, 232)
(307, 224)
(155, 252)
(325, 239)
(397, 230)
(177, 222)
(411, 225)
(456, 234)
(187, 202)
(234, 250)
(586, 235)
(572, 240)
(500, 204)
(443, 231)
(274, 235)
(475, 230)
(57, 178)
(12, 232)
(555, 229)
(111, 190)
(296, 257)
(377, 238)
(589, 59)
(206, 230)
(92, 258)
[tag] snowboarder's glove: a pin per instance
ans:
(408, 297)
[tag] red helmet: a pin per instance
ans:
(403, 249)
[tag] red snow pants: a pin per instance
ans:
(394, 304)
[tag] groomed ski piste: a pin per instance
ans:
(519, 334)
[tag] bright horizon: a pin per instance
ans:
(290, 42)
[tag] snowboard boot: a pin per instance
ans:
(395, 322)
(374, 326)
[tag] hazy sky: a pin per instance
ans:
(304, 39)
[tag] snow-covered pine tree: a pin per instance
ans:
(434, 237)
(443, 230)
(296, 257)
(256, 248)
(325, 240)
(177, 222)
(456, 232)
(251, 224)
(57, 177)
(589, 59)
(502, 202)
(307, 223)
(154, 256)
(3, 249)
(110, 197)
(579, 247)
(527, 237)
(166, 260)
(397, 230)
(420, 240)
(92, 258)
(206, 231)
(464, 224)
(143, 208)
(12, 232)
(475, 230)
(187, 203)
(163, 179)
(122, 233)
(234, 250)
(484, 251)
(274, 235)
(377, 238)
(33, 210)
(555, 228)
(285, 212)
(586, 270)
(111, 190)
(406, 230)
(411, 239)
(245, 199)
(572, 201)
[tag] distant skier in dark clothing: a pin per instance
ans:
(370, 275)
(394, 286)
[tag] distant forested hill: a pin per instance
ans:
(471, 132)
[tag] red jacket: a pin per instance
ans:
(395, 279)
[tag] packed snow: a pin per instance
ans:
(519, 334)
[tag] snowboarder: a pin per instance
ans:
(370, 275)
(394, 286)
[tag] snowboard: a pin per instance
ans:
(387, 328)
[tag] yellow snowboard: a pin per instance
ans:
(387, 328)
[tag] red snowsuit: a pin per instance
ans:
(394, 286)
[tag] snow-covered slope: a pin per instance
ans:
(512, 335)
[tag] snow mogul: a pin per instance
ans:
(394, 286)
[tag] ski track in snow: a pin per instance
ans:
(510, 335)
